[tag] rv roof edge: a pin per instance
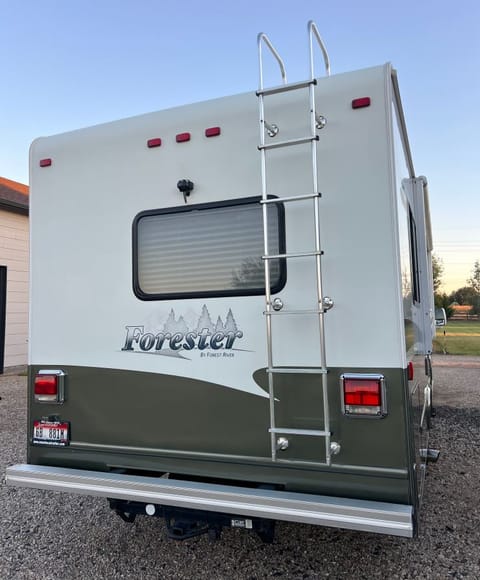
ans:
(401, 114)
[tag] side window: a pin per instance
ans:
(414, 257)
(207, 250)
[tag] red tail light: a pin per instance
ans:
(410, 371)
(363, 394)
(48, 386)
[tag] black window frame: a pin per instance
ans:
(412, 230)
(282, 280)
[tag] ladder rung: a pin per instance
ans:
(297, 255)
(291, 198)
(287, 87)
(297, 370)
(280, 312)
(289, 142)
(308, 432)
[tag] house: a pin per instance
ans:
(462, 312)
(14, 273)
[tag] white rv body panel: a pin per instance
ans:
(423, 312)
(107, 175)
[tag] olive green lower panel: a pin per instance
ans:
(144, 422)
(346, 482)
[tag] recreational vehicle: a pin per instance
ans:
(232, 309)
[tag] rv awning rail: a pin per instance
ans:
(370, 516)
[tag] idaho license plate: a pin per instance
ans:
(51, 433)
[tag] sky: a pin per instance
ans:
(66, 64)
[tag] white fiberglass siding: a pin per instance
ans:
(406, 239)
(358, 223)
(102, 177)
(14, 255)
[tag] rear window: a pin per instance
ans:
(213, 249)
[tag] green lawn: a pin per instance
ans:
(461, 337)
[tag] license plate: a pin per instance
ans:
(50, 433)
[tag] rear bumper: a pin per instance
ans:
(362, 515)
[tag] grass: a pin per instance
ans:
(461, 337)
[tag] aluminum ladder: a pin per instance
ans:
(324, 303)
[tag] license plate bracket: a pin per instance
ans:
(54, 433)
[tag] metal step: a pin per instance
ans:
(297, 370)
(288, 142)
(293, 312)
(286, 88)
(291, 198)
(293, 255)
(306, 432)
(337, 512)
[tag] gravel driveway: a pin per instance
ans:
(46, 535)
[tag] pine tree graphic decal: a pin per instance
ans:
(205, 321)
(173, 326)
(169, 325)
(219, 326)
(230, 324)
(181, 326)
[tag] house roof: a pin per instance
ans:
(462, 307)
(13, 196)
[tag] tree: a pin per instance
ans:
(250, 274)
(463, 296)
(437, 270)
(444, 301)
(474, 283)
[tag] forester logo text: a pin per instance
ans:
(177, 335)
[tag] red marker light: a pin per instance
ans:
(361, 102)
(45, 162)
(182, 137)
(154, 142)
(212, 131)
(410, 371)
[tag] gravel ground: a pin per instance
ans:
(60, 536)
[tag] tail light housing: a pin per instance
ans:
(363, 394)
(49, 386)
(410, 371)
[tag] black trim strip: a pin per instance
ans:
(14, 207)
(3, 314)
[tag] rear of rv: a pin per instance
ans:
(165, 373)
